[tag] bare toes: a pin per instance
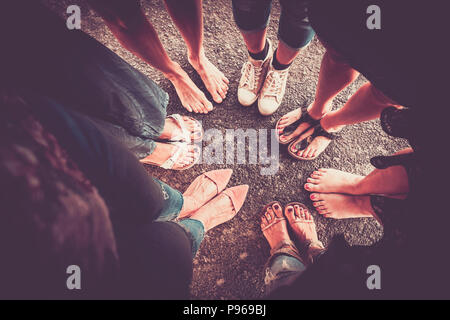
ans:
(322, 210)
(303, 214)
(264, 221)
(269, 214)
(312, 180)
(318, 203)
(310, 187)
(310, 153)
(316, 196)
(297, 211)
(289, 212)
(216, 97)
(277, 210)
(307, 214)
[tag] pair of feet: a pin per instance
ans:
(304, 130)
(207, 200)
(336, 194)
(191, 97)
(275, 222)
(183, 129)
(261, 81)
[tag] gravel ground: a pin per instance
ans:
(230, 262)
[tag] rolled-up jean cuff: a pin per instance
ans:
(244, 31)
(195, 231)
(282, 271)
(153, 130)
(294, 48)
(298, 44)
(151, 148)
(173, 201)
(242, 21)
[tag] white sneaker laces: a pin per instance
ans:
(251, 73)
(274, 83)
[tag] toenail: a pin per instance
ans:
(276, 207)
(290, 209)
(313, 196)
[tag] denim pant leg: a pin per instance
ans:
(294, 29)
(172, 205)
(196, 232)
(140, 147)
(251, 15)
(103, 86)
(172, 202)
(83, 75)
(282, 270)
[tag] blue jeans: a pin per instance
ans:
(282, 271)
(172, 204)
(83, 75)
(294, 29)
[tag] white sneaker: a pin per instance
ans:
(272, 91)
(252, 78)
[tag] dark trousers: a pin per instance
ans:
(294, 28)
(155, 257)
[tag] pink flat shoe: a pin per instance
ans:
(219, 177)
(237, 195)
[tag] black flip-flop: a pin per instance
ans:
(304, 118)
(319, 131)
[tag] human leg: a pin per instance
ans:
(188, 17)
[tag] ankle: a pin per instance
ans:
(318, 109)
(328, 124)
(260, 54)
(363, 202)
(175, 72)
(356, 187)
(196, 58)
(314, 251)
(188, 205)
(279, 65)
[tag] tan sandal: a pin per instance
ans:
(185, 135)
(311, 248)
(181, 149)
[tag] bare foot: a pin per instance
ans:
(191, 97)
(333, 181)
(215, 81)
(274, 226)
(302, 224)
(172, 129)
(222, 208)
(164, 151)
(341, 206)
